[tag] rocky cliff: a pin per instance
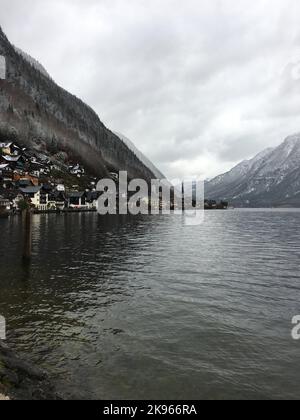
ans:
(37, 112)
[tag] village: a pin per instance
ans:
(47, 183)
(51, 181)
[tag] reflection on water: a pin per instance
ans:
(147, 307)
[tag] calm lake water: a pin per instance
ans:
(148, 308)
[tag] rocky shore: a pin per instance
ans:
(20, 380)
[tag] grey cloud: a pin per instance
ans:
(206, 83)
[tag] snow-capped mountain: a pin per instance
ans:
(272, 178)
(141, 156)
(36, 64)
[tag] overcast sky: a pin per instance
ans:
(197, 85)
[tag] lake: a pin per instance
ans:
(149, 308)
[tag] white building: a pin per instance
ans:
(34, 194)
(60, 188)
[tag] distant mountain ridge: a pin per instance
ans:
(271, 178)
(41, 115)
(141, 156)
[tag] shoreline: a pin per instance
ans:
(65, 211)
(20, 380)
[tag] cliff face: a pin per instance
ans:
(37, 112)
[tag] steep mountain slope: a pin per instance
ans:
(272, 178)
(141, 156)
(40, 114)
(33, 62)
